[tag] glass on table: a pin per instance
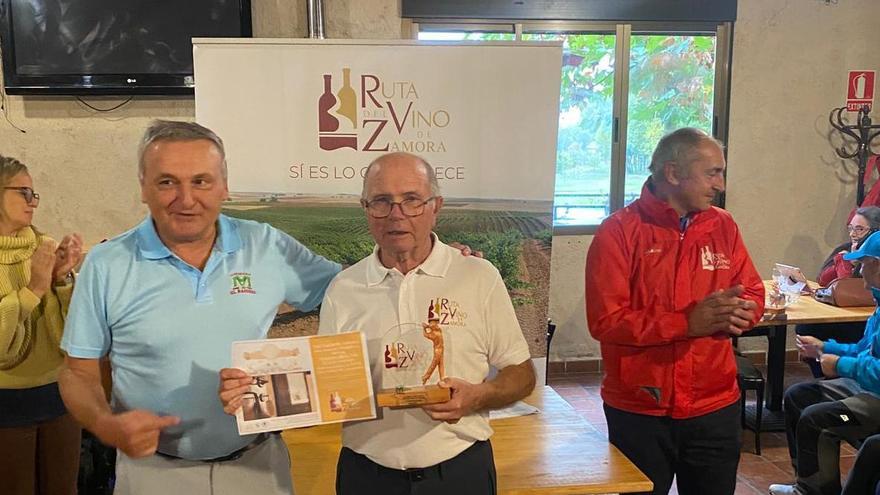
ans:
(776, 298)
(787, 286)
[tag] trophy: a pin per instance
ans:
(412, 364)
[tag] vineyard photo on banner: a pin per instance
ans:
(302, 119)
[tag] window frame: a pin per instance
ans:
(623, 31)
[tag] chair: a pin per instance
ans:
(750, 378)
(551, 329)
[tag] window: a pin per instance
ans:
(586, 118)
(623, 86)
(452, 35)
(671, 85)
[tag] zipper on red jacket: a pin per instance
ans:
(675, 391)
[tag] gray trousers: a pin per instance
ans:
(263, 470)
(818, 415)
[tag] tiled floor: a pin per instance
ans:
(755, 474)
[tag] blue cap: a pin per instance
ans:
(871, 247)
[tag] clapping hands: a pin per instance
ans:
(67, 256)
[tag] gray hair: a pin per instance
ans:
(171, 130)
(871, 214)
(429, 171)
(678, 147)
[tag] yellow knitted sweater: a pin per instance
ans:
(30, 328)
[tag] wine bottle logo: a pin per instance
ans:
(390, 356)
(347, 99)
(344, 104)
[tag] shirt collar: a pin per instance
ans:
(152, 247)
(435, 265)
(684, 222)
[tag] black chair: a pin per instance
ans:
(551, 329)
(750, 377)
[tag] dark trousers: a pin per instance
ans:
(471, 472)
(865, 474)
(818, 415)
(40, 459)
(845, 333)
(702, 452)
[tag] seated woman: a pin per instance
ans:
(40, 441)
(865, 222)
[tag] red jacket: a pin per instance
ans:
(839, 268)
(643, 276)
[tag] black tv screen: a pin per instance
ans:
(110, 47)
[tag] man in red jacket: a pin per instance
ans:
(668, 282)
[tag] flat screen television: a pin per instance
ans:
(110, 47)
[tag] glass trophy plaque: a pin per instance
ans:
(412, 361)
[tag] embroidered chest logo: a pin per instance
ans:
(241, 283)
(713, 261)
(446, 312)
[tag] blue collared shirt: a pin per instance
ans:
(168, 326)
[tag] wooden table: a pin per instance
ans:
(805, 311)
(554, 451)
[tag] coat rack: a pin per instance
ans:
(862, 133)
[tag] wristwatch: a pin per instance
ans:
(67, 280)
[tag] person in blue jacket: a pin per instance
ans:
(845, 406)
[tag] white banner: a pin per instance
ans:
(302, 119)
(484, 115)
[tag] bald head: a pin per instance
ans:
(398, 160)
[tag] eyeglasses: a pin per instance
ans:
(858, 229)
(381, 208)
(29, 195)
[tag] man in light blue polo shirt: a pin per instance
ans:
(165, 301)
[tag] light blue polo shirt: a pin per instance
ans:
(169, 327)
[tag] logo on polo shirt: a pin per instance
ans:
(446, 312)
(241, 283)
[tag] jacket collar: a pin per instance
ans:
(662, 213)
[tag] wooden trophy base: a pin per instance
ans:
(776, 314)
(412, 396)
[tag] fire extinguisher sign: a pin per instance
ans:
(859, 90)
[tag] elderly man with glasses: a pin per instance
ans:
(846, 406)
(413, 277)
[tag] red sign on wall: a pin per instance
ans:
(859, 89)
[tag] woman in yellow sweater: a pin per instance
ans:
(39, 441)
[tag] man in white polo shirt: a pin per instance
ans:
(412, 277)
(164, 301)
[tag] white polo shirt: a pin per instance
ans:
(468, 297)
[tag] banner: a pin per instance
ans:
(302, 119)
